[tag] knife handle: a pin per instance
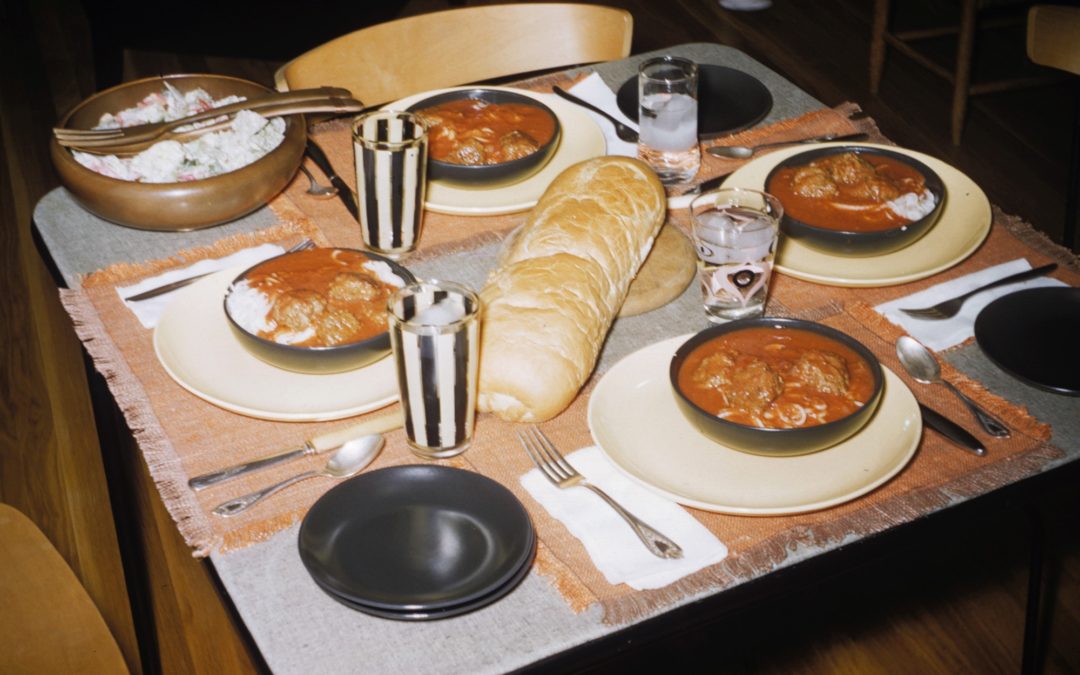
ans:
(373, 425)
(208, 479)
(951, 430)
(318, 444)
(345, 193)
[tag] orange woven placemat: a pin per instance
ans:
(182, 435)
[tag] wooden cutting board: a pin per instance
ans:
(667, 272)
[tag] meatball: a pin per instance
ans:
(338, 326)
(518, 144)
(875, 190)
(747, 382)
(298, 310)
(813, 182)
(754, 386)
(353, 287)
(714, 370)
(849, 169)
(823, 371)
(469, 152)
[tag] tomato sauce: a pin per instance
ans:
(776, 378)
(847, 192)
(475, 132)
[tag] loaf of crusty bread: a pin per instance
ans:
(560, 283)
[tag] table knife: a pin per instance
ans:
(314, 446)
(951, 430)
(345, 193)
(827, 138)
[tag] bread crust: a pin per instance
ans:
(550, 303)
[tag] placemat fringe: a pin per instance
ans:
(160, 455)
(121, 273)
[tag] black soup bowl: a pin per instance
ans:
(849, 241)
(489, 175)
(314, 360)
(767, 441)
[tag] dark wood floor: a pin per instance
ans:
(946, 605)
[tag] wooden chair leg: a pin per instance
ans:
(962, 81)
(1033, 655)
(877, 43)
(1072, 187)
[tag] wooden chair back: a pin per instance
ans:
(1053, 37)
(48, 623)
(386, 62)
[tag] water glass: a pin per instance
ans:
(735, 232)
(391, 149)
(435, 336)
(668, 118)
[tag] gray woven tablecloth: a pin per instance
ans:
(298, 628)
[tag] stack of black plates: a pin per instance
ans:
(417, 542)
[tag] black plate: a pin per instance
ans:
(729, 100)
(1031, 335)
(416, 539)
(436, 614)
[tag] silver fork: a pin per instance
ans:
(557, 470)
(948, 308)
(172, 286)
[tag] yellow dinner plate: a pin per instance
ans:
(581, 139)
(963, 225)
(197, 348)
(636, 422)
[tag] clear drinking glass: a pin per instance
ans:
(391, 149)
(668, 118)
(435, 336)
(735, 233)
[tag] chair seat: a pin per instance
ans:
(48, 623)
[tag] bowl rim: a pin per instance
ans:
(933, 183)
(400, 270)
(291, 122)
(469, 93)
(686, 348)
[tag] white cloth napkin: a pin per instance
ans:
(614, 548)
(149, 311)
(593, 90)
(938, 334)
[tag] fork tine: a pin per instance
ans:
(925, 313)
(551, 462)
(530, 450)
(554, 460)
(554, 453)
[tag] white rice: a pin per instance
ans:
(913, 206)
(250, 308)
(384, 273)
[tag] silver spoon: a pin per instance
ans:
(621, 130)
(922, 365)
(318, 191)
(347, 461)
(744, 151)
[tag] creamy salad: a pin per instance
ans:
(249, 137)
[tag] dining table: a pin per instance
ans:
(564, 612)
